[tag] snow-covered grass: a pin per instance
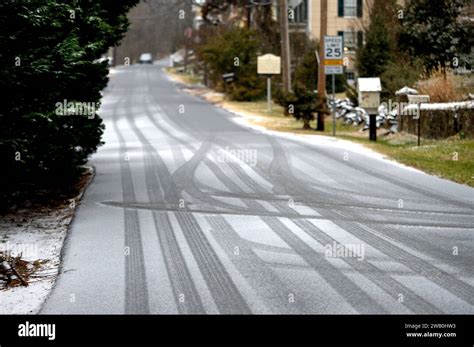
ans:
(37, 234)
(451, 158)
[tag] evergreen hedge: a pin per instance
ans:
(48, 56)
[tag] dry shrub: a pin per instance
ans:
(439, 88)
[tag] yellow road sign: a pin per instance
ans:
(333, 62)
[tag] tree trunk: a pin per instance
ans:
(320, 125)
(306, 125)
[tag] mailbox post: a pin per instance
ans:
(228, 78)
(269, 65)
(369, 99)
(418, 100)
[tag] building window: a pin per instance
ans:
(350, 43)
(350, 8)
(350, 76)
(300, 11)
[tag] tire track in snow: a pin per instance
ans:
(136, 293)
(224, 292)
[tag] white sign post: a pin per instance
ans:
(269, 65)
(333, 65)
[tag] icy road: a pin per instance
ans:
(192, 213)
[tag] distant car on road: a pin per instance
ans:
(146, 58)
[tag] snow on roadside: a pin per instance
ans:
(445, 106)
(37, 234)
(244, 119)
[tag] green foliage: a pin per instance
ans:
(47, 56)
(302, 104)
(247, 87)
(401, 71)
(280, 98)
(352, 94)
(432, 31)
(385, 53)
(340, 83)
(373, 57)
(306, 73)
(234, 50)
(380, 37)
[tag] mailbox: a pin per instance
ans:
(418, 99)
(369, 94)
(228, 77)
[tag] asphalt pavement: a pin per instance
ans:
(192, 213)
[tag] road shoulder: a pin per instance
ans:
(31, 244)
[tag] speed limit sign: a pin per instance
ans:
(332, 47)
(333, 55)
(333, 65)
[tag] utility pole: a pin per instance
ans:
(249, 14)
(285, 46)
(188, 34)
(321, 72)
